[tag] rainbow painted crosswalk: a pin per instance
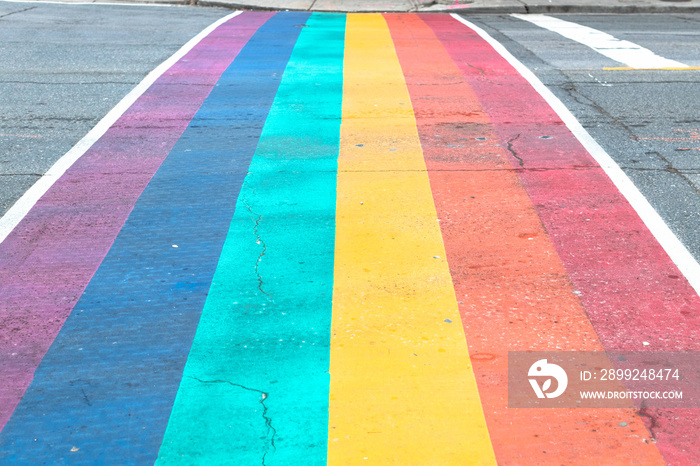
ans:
(314, 240)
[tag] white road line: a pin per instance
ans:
(24, 204)
(622, 51)
(678, 253)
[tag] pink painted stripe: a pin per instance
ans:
(49, 258)
(631, 290)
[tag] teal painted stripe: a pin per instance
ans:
(255, 387)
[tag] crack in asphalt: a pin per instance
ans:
(513, 152)
(685, 18)
(525, 5)
(571, 89)
(573, 92)
(483, 73)
(259, 241)
(18, 11)
(263, 397)
(43, 119)
(618, 83)
(49, 83)
(576, 95)
(652, 422)
(674, 171)
(418, 4)
(85, 397)
(21, 174)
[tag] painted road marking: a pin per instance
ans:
(627, 68)
(19, 210)
(622, 51)
(629, 282)
(680, 255)
(434, 122)
(402, 389)
(256, 381)
(113, 371)
(41, 275)
(514, 291)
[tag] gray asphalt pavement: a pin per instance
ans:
(647, 120)
(98, 331)
(63, 67)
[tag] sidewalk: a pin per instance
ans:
(449, 6)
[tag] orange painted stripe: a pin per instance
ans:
(513, 291)
(402, 390)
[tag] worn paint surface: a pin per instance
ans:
(314, 240)
(514, 291)
(402, 387)
(256, 381)
(608, 253)
(41, 274)
(118, 358)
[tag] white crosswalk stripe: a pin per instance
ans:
(622, 51)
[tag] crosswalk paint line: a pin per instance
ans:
(402, 389)
(668, 240)
(514, 292)
(42, 275)
(622, 51)
(331, 263)
(628, 68)
(255, 387)
(611, 241)
(108, 381)
(19, 209)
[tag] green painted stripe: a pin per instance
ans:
(255, 387)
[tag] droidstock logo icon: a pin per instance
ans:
(545, 372)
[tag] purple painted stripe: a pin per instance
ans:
(49, 258)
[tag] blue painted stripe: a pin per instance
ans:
(256, 385)
(108, 383)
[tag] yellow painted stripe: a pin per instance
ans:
(627, 68)
(402, 387)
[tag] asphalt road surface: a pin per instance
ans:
(328, 238)
(81, 60)
(647, 120)
(65, 66)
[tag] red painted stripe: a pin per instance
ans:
(630, 289)
(514, 292)
(49, 258)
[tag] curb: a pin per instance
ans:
(437, 6)
(466, 9)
